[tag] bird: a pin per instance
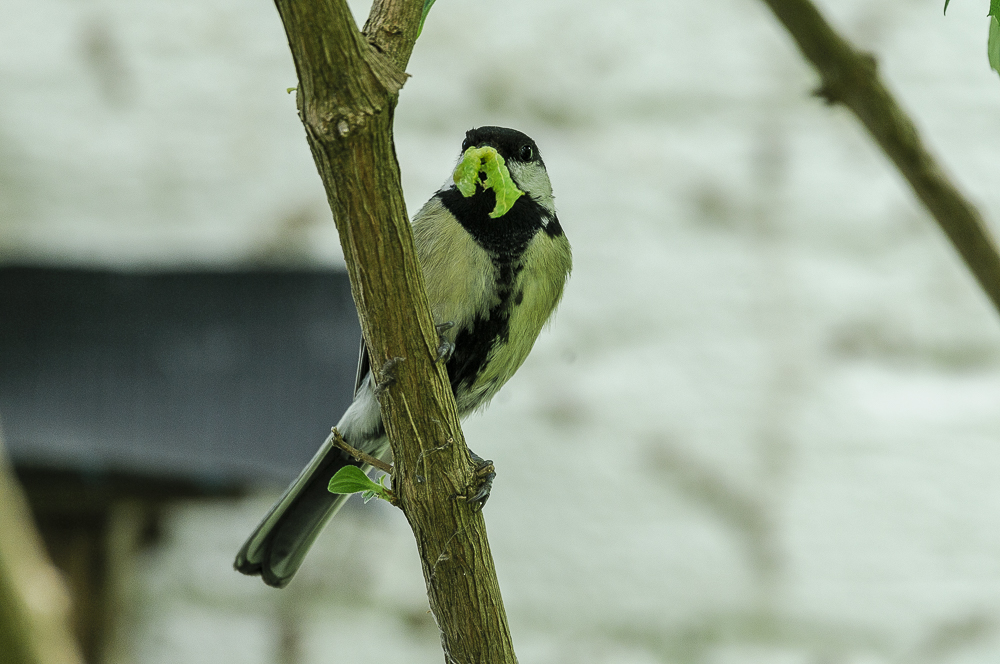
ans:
(493, 281)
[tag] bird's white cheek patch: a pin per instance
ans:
(533, 180)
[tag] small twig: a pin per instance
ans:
(358, 455)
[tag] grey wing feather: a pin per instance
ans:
(364, 366)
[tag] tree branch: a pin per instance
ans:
(34, 602)
(850, 77)
(348, 87)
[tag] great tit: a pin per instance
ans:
(492, 283)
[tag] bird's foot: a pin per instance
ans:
(445, 348)
(485, 474)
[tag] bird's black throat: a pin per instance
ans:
(505, 237)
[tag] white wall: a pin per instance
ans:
(764, 426)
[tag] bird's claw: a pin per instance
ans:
(445, 348)
(485, 474)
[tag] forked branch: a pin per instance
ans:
(348, 86)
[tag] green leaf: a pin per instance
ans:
(351, 479)
(994, 9)
(487, 160)
(993, 43)
(383, 491)
(946, 6)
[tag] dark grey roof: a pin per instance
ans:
(222, 378)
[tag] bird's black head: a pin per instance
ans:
(510, 143)
(509, 234)
(520, 154)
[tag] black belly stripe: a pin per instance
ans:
(474, 343)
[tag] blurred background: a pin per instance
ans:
(763, 427)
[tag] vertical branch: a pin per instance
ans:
(850, 77)
(348, 87)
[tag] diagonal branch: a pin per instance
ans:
(850, 77)
(348, 86)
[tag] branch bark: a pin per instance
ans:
(348, 86)
(850, 77)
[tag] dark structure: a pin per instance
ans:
(121, 392)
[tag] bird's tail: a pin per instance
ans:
(279, 544)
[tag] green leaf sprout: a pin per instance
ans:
(351, 479)
(487, 160)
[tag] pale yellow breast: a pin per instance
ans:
(459, 274)
(547, 263)
(461, 283)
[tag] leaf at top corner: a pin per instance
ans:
(994, 9)
(993, 43)
(351, 479)
(946, 6)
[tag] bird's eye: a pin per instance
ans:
(465, 145)
(527, 154)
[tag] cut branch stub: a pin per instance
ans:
(335, 103)
(392, 28)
